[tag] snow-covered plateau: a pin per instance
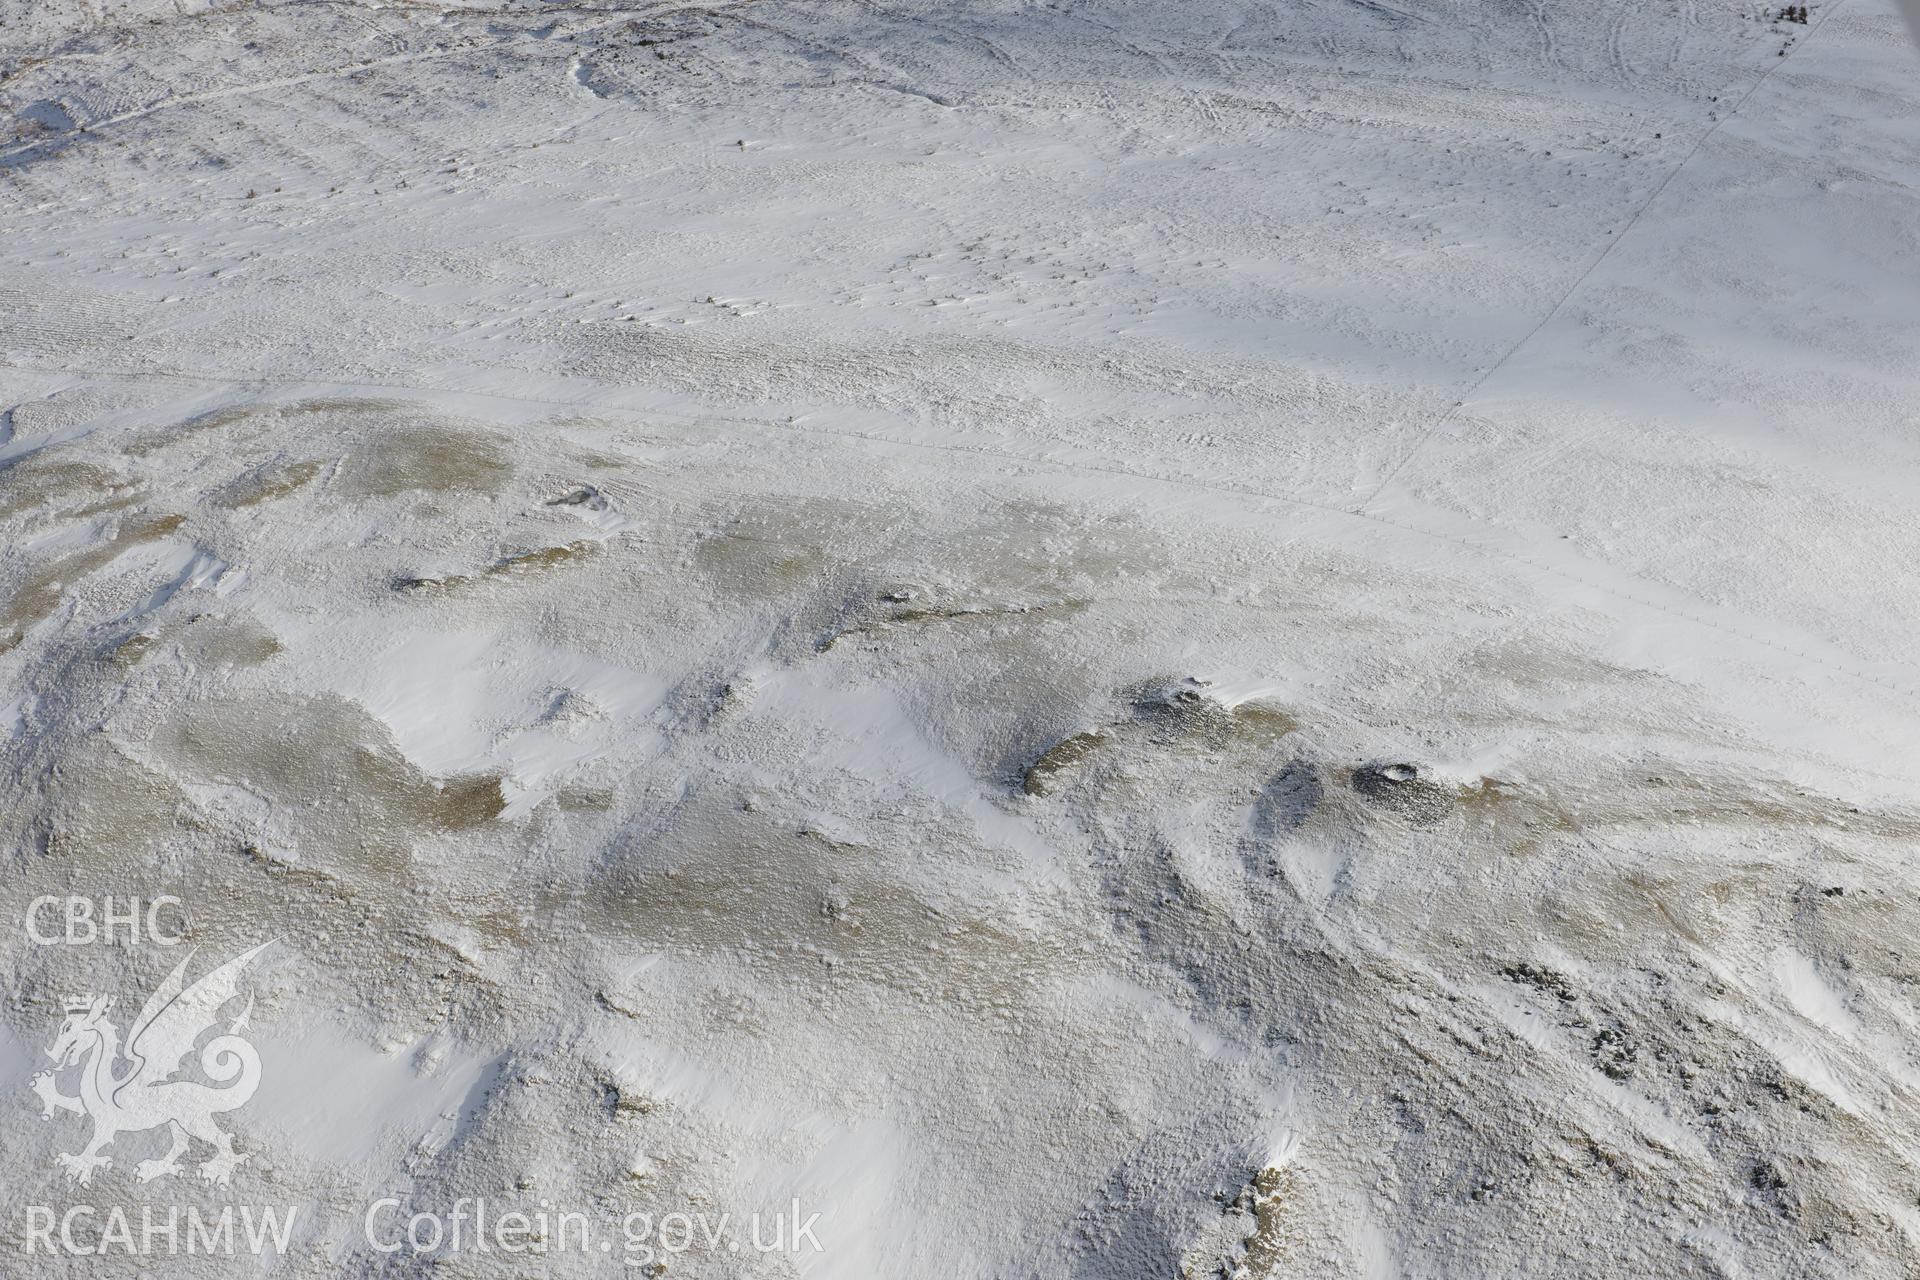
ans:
(1087, 640)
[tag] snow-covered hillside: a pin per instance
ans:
(1099, 640)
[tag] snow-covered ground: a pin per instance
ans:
(1100, 640)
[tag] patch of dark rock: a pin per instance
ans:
(543, 558)
(1771, 1181)
(1041, 776)
(1614, 1052)
(906, 613)
(1180, 707)
(1554, 984)
(1400, 789)
(409, 582)
(130, 651)
(514, 566)
(461, 804)
(581, 496)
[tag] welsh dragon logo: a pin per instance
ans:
(132, 1088)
